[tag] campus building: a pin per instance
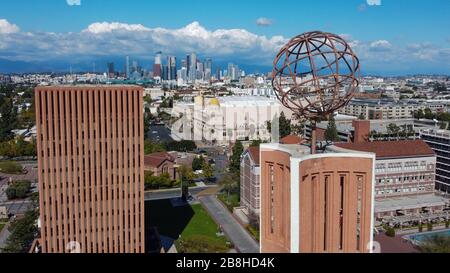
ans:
(161, 163)
(226, 119)
(439, 141)
(388, 109)
(315, 202)
(91, 168)
(404, 176)
(250, 171)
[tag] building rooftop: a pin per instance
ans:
(156, 159)
(254, 154)
(391, 149)
(292, 139)
(436, 133)
(409, 202)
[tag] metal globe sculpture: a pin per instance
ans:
(315, 74)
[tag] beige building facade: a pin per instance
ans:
(91, 168)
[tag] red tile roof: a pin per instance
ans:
(292, 139)
(156, 159)
(254, 153)
(391, 149)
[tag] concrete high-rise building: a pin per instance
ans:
(157, 66)
(439, 141)
(111, 71)
(193, 67)
(172, 67)
(315, 202)
(91, 168)
(127, 67)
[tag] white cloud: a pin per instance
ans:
(106, 27)
(118, 39)
(380, 45)
(104, 40)
(262, 21)
(6, 27)
(374, 2)
(73, 2)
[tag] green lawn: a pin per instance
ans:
(191, 226)
(10, 167)
(231, 201)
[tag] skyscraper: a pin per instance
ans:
(193, 67)
(157, 67)
(188, 64)
(111, 72)
(127, 67)
(90, 160)
(172, 67)
(208, 69)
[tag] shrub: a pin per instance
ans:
(429, 226)
(447, 224)
(420, 228)
(18, 189)
(390, 232)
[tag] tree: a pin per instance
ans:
(208, 171)
(331, 133)
(393, 130)
(235, 162)
(148, 117)
(18, 189)
(186, 174)
(229, 183)
(297, 129)
(428, 113)
(284, 125)
(150, 147)
(22, 233)
(361, 116)
(180, 146)
(269, 126)
(8, 118)
(256, 143)
(156, 182)
(419, 114)
(197, 163)
(435, 244)
(390, 232)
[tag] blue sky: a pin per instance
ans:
(390, 36)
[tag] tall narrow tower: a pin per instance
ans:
(91, 175)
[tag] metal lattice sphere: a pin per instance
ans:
(315, 74)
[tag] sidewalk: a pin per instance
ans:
(241, 239)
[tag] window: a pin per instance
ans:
(272, 198)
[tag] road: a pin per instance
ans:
(159, 133)
(235, 232)
(169, 194)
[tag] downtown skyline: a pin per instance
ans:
(387, 35)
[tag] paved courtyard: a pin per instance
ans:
(394, 244)
(17, 206)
